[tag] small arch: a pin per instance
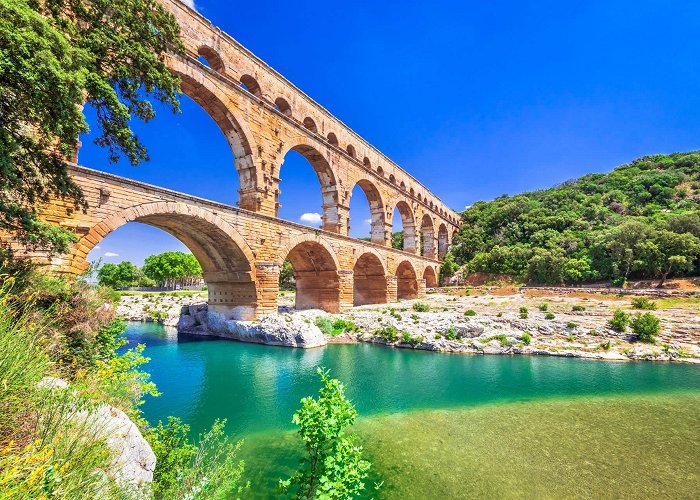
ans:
(351, 150)
(411, 192)
(409, 226)
(369, 280)
(366, 162)
(402, 186)
(283, 107)
(316, 275)
(327, 181)
(251, 85)
(211, 58)
(392, 179)
(431, 205)
(406, 281)
(428, 236)
(430, 277)
(443, 241)
(310, 124)
(376, 210)
(332, 139)
(419, 197)
(380, 170)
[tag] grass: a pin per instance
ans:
(421, 307)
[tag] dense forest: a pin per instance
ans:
(642, 220)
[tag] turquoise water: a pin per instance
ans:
(257, 388)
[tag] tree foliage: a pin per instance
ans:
(641, 220)
(173, 268)
(333, 467)
(55, 57)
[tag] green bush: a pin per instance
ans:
(499, 315)
(451, 334)
(502, 339)
(470, 312)
(549, 316)
(571, 325)
(189, 469)
(643, 303)
(421, 307)
(619, 321)
(543, 307)
(342, 325)
(332, 466)
(605, 345)
(523, 312)
(526, 338)
(388, 333)
(647, 327)
(578, 308)
(407, 338)
(325, 325)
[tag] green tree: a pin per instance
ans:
(119, 275)
(448, 267)
(287, 276)
(55, 57)
(172, 268)
(675, 252)
(397, 240)
(333, 467)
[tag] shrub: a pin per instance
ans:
(549, 316)
(619, 321)
(407, 338)
(342, 325)
(578, 308)
(643, 303)
(450, 334)
(647, 327)
(526, 338)
(502, 339)
(186, 468)
(421, 307)
(499, 315)
(605, 345)
(571, 325)
(332, 466)
(543, 307)
(523, 312)
(325, 325)
(388, 333)
(470, 312)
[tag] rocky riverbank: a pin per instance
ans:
(474, 321)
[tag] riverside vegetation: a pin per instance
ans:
(68, 331)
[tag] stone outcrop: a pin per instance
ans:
(290, 330)
(134, 461)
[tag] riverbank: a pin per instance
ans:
(487, 321)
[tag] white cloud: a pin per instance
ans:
(190, 4)
(111, 254)
(311, 218)
(368, 222)
(97, 247)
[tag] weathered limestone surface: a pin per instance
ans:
(275, 329)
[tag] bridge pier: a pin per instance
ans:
(268, 281)
(391, 289)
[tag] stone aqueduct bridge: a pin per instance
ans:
(263, 116)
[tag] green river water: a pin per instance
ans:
(447, 426)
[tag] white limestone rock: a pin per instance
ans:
(290, 330)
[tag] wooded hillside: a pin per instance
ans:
(642, 220)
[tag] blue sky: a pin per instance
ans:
(475, 99)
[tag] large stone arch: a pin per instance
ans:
(316, 274)
(200, 87)
(226, 259)
(376, 210)
(406, 281)
(369, 279)
(327, 181)
(409, 225)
